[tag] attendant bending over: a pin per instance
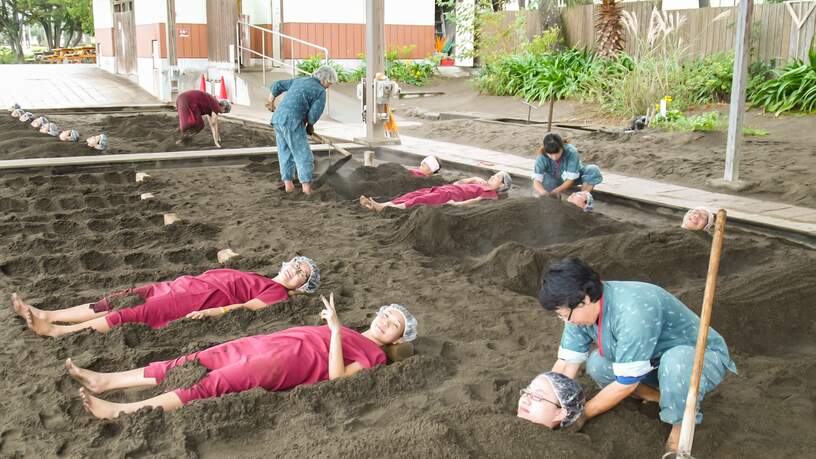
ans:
(213, 293)
(428, 167)
(277, 361)
(646, 341)
(552, 400)
(193, 107)
(462, 192)
(558, 168)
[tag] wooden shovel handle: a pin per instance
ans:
(690, 413)
(322, 139)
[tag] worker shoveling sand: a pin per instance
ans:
(73, 238)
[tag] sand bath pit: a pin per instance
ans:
(468, 273)
(127, 133)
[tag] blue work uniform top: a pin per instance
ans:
(638, 322)
(566, 168)
(305, 100)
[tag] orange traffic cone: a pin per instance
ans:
(203, 85)
(223, 93)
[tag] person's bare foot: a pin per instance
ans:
(366, 202)
(98, 407)
(19, 306)
(289, 187)
(92, 380)
(38, 325)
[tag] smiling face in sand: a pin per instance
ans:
(696, 219)
(538, 404)
(294, 275)
(388, 326)
(578, 198)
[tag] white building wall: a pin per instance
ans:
(102, 14)
(191, 11)
(106, 63)
(259, 11)
(409, 12)
(151, 11)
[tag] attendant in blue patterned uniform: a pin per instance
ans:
(645, 341)
(295, 119)
(558, 168)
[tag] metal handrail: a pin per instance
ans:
(240, 47)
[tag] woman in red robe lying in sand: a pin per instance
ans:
(462, 192)
(212, 293)
(277, 361)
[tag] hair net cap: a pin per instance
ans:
(103, 142)
(53, 130)
(410, 332)
(326, 74)
(507, 181)
(27, 116)
(41, 120)
(14, 107)
(74, 135)
(569, 393)
(708, 213)
(590, 202)
(313, 282)
(17, 112)
(226, 106)
(432, 163)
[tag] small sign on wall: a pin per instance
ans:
(183, 32)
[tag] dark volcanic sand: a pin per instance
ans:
(139, 133)
(467, 273)
(780, 168)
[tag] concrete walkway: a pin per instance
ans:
(39, 86)
(765, 213)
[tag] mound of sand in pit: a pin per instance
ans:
(386, 181)
(478, 228)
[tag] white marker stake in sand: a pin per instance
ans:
(368, 158)
(141, 177)
(170, 218)
(145, 196)
(225, 255)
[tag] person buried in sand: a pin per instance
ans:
(193, 107)
(276, 361)
(582, 200)
(98, 142)
(462, 192)
(558, 168)
(50, 128)
(428, 167)
(552, 400)
(69, 136)
(698, 219)
(294, 120)
(211, 294)
(39, 121)
(646, 342)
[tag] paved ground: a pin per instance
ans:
(67, 85)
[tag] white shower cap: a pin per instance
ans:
(410, 332)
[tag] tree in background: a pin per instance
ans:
(609, 29)
(63, 21)
(11, 21)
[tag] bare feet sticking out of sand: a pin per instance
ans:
(19, 306)
(371, 204)
(37, 325)
(98, 407)
(89, 379)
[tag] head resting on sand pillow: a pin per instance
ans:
(312, 282)
(506, 180)
(409, 332)
(698, 218)
(39, 121)
(552, 400)
(70, 135)
(582, 199)
(14, 107)
(26, 117)
(16, 113)
(431, 163)
(51, 129)
(99, 142)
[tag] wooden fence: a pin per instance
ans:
(779, 31)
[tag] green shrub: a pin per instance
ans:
(792, 89)
(545, 42)
(709, 79)
(676, 121)
(398, 68)
(313, 63)
(754, 132)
